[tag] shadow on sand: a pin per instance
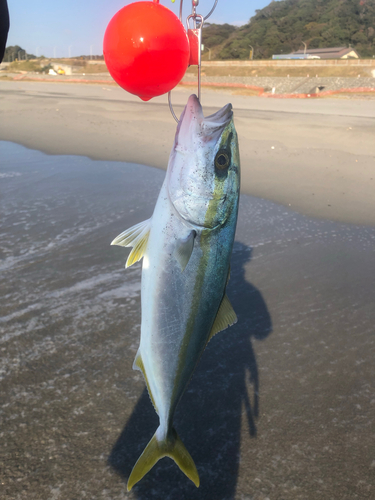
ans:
(223, 390)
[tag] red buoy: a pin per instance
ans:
(146, 49)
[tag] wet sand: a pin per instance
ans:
(317, 156)
(281, 405)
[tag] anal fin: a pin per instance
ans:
(225, 317)
(138, 365)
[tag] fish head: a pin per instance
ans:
(203, 175)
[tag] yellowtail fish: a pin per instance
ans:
(186, 247)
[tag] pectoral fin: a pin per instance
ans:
(136, 237)
(184, 249)
(225, 317)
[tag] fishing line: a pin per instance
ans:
(195, 39)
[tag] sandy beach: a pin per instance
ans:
(281, 405)
(317, 157)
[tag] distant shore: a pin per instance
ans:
(309, 85)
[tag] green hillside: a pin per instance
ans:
(282, 26)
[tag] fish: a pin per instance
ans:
(186, 248)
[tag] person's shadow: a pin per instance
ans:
(224, 387)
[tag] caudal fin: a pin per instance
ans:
(171, 447)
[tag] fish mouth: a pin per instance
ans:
(193, 124)
(220, 119)
(194, 107)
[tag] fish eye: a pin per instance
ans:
(222, 160)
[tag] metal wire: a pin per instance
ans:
(171, 107)
(195, 17)
(202, 19)
(211, 11)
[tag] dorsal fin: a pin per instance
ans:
(138, 365)
(225, 317)
(136, 237)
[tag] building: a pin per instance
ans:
(330, 53)
(290, 56)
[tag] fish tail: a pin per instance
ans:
(168, 446)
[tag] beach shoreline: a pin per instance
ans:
(317, 158)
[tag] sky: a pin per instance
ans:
(57, 28)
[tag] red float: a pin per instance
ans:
(146, 49)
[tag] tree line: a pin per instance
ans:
(282, 26)
(15, 52)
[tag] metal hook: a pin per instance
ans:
(195, 4)
(171, 107)
(202, 19)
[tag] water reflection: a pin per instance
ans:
(224, 388)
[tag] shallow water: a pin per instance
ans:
(282, 403)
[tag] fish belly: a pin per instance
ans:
(178, 307)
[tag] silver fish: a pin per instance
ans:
(186, 247)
